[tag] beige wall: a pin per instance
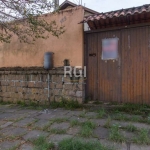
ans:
(68, 46)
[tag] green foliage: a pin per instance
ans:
(131, 128)
(77, 144)
(74, 123)
(132, 108)
(42, 144)
(101, 113)
(87, 129)
(108, 122)
(27, 21)
(64, 103)
(143, 137)
(57, 131)
(115, 134)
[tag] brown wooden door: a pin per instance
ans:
(126, 79)
(103, 77)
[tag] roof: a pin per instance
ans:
(141, 13)
(67, 3)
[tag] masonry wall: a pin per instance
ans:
(31, 85)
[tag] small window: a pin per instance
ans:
(66, 62)
(109, 48)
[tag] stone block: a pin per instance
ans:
(38, 84)
(43, 78)
(20, 89)
(24, 84)
(57, 92)
(79, 94)
(57, 78)
(3, 88)
(68, 86)
(18, 77)
(12, 83)
(67, 79)
(59, 86)
(31, 84)
(36, 77)
(58, 98)
(27, 77)
(72, 93)
(4, 83)
(52, 85)
(44, 85)
(17, 83)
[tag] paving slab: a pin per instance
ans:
(91, 115)
(75, 113)
(101, 133)
(46, 116)
(56, 138)
(73, 131)
(81, 120)
(128, 135)
(25, 122)
(60, 126)
(13, 132)
(138, 147)
(99, 122)
(41, 123)
(26, 147)
(6, 125)
(34, 134)
(115, 146)
(6, 145)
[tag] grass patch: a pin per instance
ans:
(131, 128)
(115, 134)
(57, 131)
(42, 144)
(67, 104)
(108, 122)
(121, 117)
(75, 123)
(87, 129)
(82, 115)
(76, 144)
(143, 137)
(133, 108)
(101, 113)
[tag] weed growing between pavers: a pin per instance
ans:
(101, 113)
(108, 122)
(133, 108)
(142, 137)
(87, 129)
(68, 104)
(76, 144)
(57, 131)
(75, 123)
(131, 128)
(115, 134)
(42, 144)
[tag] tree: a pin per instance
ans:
(24, 19)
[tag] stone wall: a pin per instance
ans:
(31, 84)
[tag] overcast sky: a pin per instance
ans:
(109, 5)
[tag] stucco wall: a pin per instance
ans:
(68, 46)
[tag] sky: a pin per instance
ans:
(110, 5)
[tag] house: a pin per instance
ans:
(117, 55)
(114, 46)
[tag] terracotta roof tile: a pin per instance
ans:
(118, 13)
